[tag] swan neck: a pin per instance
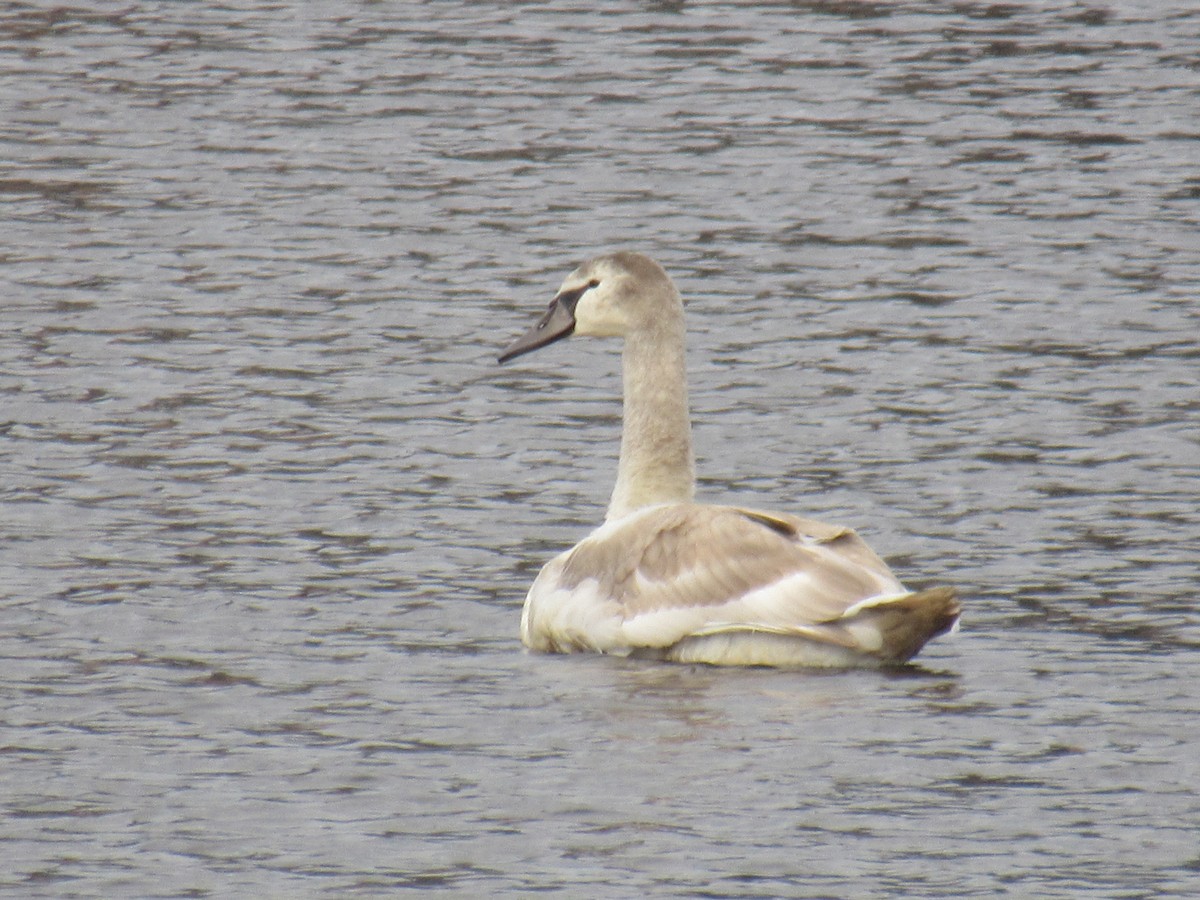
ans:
(656, 464)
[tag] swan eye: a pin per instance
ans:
(570, 299)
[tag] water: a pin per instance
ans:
(270, 508)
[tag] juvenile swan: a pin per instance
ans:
(668, 578)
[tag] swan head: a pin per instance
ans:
(608, 296)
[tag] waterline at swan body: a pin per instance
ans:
(668, 578)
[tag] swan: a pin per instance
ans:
(665, 577)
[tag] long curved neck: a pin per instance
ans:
(656, 441)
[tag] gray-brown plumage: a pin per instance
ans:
(673, 579)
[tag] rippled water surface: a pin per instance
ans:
(269, 507)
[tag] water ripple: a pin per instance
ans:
(269, 507)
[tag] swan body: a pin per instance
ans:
(668, 578)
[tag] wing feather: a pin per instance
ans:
(685, 569)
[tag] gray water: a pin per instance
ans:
(269, 507)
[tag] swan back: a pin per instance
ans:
(718, 584)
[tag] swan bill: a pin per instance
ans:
(557, 323)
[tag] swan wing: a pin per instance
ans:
(660, 575)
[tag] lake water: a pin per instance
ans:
(268, 506)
